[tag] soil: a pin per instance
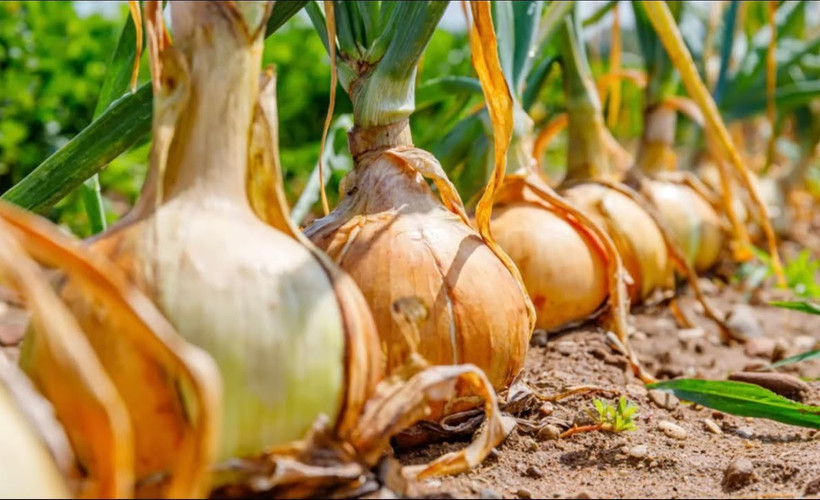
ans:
(780, 460)
(739, 457)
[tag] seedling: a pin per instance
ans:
(608, 417)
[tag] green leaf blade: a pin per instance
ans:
(742, 399)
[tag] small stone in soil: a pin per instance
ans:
(489, 493)
(738, 474)
(549, 432)
(745, 432)
(534, 472)
(711, 426)
(812, 487)
(566, 348)
(691, 334)
(803, 343)
(639, 451)
(523, 493)
(539, 339)
(546, 409)
(672, 430)
(760, 347)
(743, 321)
(663, 399)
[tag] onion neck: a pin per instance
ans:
(209, 153)
(657, 139)
(587, 155)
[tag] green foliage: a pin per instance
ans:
(52, 63)
(801, 273)
(742, 399)
(614, 418)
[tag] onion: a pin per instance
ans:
(396, 238)
(255, 297)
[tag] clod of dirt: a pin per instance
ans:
(760, 348)
(663, 399)
(812, 487)
(672, 430)
(523, 493)
(738, 474)
(546, 409)
(743, 321)
(780, 383)
(711, 426)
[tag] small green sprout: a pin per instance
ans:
(614, 418)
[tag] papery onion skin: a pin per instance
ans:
(694, 224)
(639, 240)
(563, 269)
(397, 240)
(257, 301)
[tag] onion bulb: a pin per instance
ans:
(258, 299)
(397, 239)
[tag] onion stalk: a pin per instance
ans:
(664, 24)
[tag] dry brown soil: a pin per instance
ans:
(781, 460)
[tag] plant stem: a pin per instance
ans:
(670, 36)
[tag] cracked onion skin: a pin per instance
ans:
(639, 240)
(564, 269)
(396, 239)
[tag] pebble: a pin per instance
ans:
(745, 432)
(691, 334)
(523, 493)
(779, 383)
(738, 474)
(743, 321)
(672, 430)
(534, 472)
(812, 487)
(546, 409)
(549, 432)
(566, 348)
(711, 426)
(761, 347)
(489, 493)
(539, 339)
(636, 391)
(804, 343)
(639, 451)
(663, 399)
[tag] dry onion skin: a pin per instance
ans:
(398, 239)
(257, 299)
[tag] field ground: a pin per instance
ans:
(780, 460)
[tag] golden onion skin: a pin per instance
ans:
(693, 223)
(544, 246)
(397, 240)
(639, 240)
(259, 303)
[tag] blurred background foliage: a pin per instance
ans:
(54, 55)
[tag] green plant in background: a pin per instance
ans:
(801, 273)
(53, 64)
